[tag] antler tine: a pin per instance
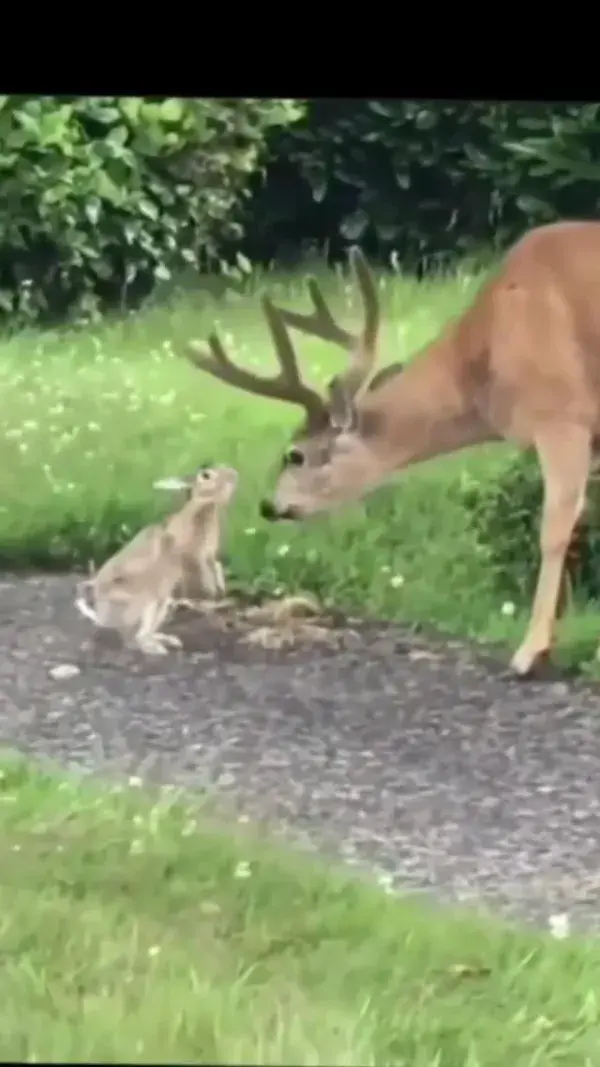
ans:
(370, 299)
(284, 350)
(285, 386)
(320, 323)
(288, 385)
(363, 355)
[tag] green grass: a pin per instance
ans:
(89, 418)
(135, 928)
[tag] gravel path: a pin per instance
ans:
(414, 758)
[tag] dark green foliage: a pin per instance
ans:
(101, 197)
(505, 513)
(428, 181)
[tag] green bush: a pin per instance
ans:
(427, 181)
(102, 196)
(505, 513)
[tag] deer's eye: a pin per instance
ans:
(294, 458)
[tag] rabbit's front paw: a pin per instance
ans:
(151, 646)
(170, 640)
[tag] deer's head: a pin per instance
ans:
(333, 458)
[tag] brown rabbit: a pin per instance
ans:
(133, 591)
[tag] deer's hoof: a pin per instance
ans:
(527, 660)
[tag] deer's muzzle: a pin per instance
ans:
(269, 512)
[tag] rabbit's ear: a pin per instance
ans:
(172, 483)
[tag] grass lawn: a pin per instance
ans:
(90, 417)
(135, 928)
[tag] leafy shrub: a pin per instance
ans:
(426, 180)
(505, 513)
(102, 196)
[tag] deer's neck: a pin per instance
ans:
(432, 406)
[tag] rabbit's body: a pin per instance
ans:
(202, 570)
(133, 592)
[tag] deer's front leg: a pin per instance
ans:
(564, 456)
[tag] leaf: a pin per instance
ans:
(387, 231)
(526, 148)
(29, 123)
(353, 226)
(380, 108)
(106, 188)
(314, 172)
(118, 135)
(92, 210)
(588, 113)
(319, 188)
(533, 205)
(131, 273)
(171, 110)
(130, 106)
(533, 122)
(103, 109)
(243, 263)
(426, 119)
(476, 156)
(148, 208)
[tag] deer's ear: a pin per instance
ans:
(342, 413)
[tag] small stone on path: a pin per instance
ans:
(63, 671)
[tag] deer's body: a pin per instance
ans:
(133, 592)
(522, 363)
(525, 353)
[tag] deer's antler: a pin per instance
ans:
(362, 347)
(287, 385)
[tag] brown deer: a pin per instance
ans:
(522, 363)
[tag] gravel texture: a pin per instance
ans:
(412, 757)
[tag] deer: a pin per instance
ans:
(521, 364)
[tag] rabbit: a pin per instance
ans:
(133, 592)
(203, 573)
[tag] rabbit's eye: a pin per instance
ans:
(206, 476)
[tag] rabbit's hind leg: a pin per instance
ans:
(164, 611)
(148, 637)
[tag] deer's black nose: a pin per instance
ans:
(269, 512)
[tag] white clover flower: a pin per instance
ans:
(560, 926)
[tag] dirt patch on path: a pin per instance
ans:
(416, 758)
